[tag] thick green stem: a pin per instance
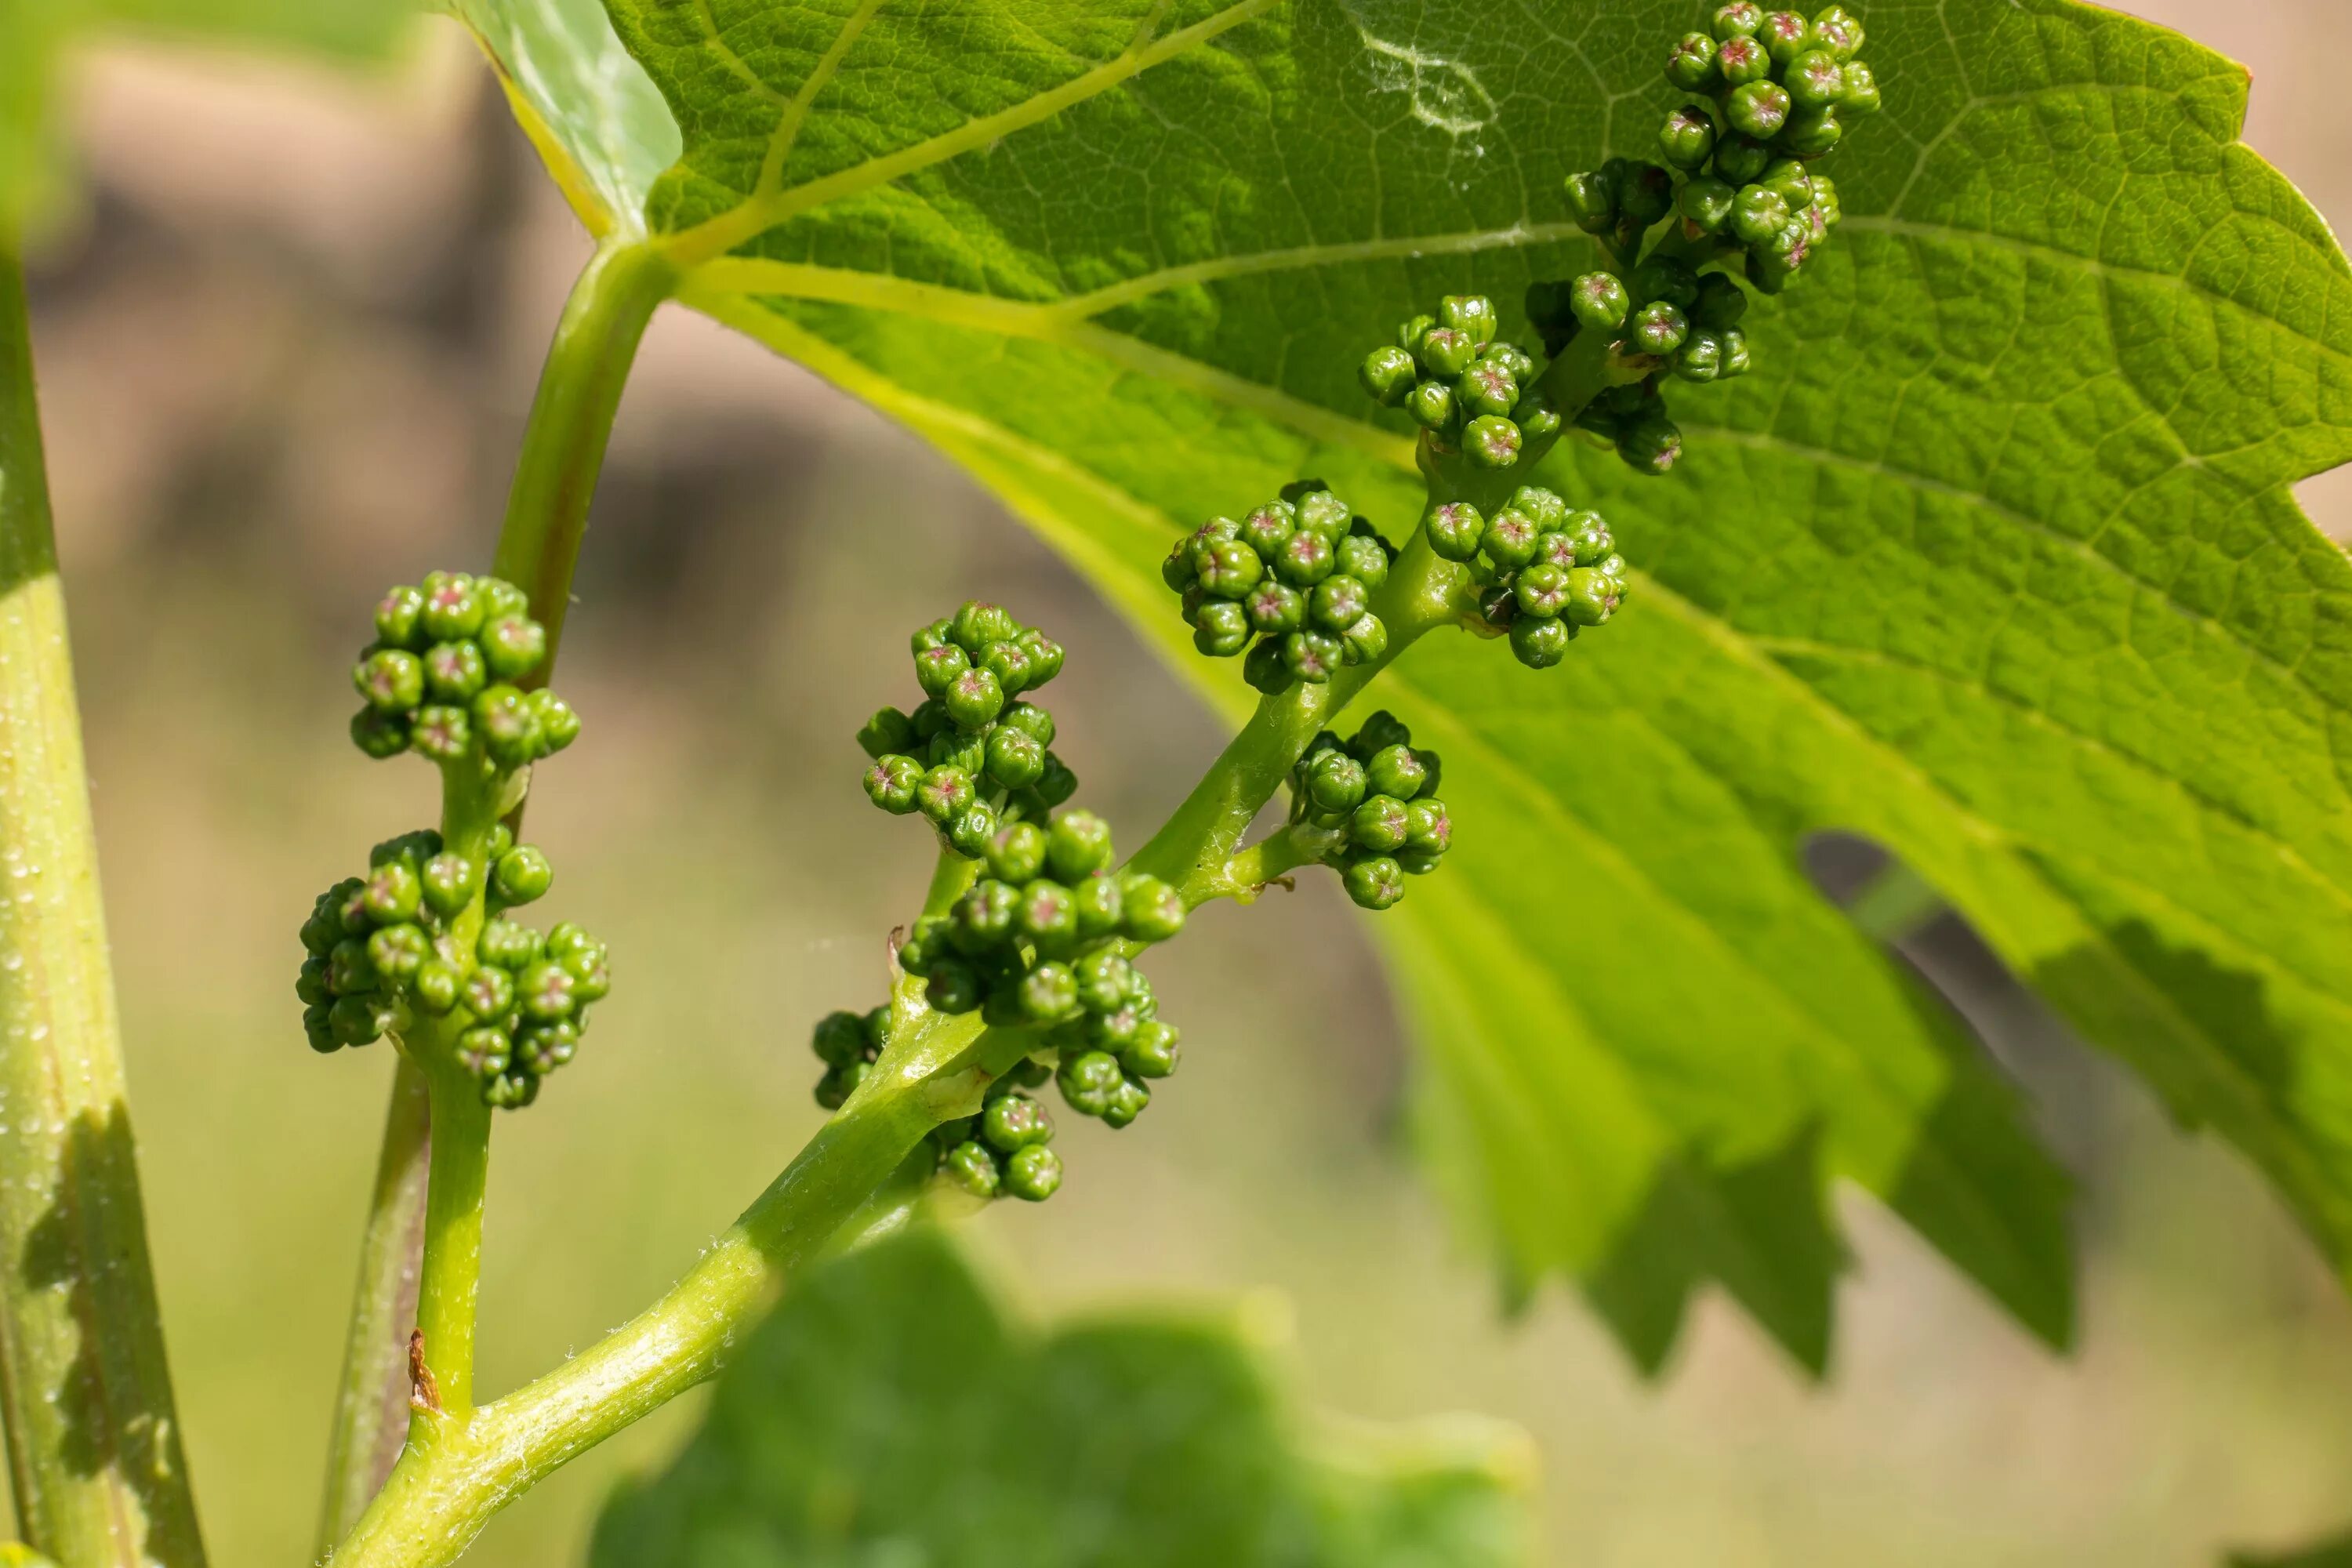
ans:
(457, 1474)
(371, 1399)
(547, 512)
(94, 1442)
(571, 420)
(450, 1280)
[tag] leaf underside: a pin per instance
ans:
(888, 1413)
(1993, 558)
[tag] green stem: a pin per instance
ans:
(547, 511)
(571, 420)
(457, 1474)
(450, 1280)
(371, 1399)
(85, 1392)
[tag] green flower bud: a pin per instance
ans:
(1471, 314)
(1030, 719)
(1378, 823)
(1338, 603)
(1541, 588)
(1410, 330)
(1057, 784)
(1691, 64)
(1321, 513)
(936, 635)
(975, 698)
(544, 991)
(441, 733)
(1811, 132)
(1485, 388)
(1860, 99)
(1508, 357)
(1686, 139)
(1759, 109)
(1491, 442)
(349, 971)
(396, 616)
(1814, 79)
(953, 748)
(1785, 35)
(1100, 904)
(1592, 595)
(1078, 843)
(1045, 656)
(1397, 771)
(1759, 213)
(396, 951)
(318, 1030)
(559, 725)
(888, 731)
(1510, 539)
(1705, 203)
(972, 830)
(392, 680)
(970, 1166)
(1152, 1052)
(1266, 529)
(1740, 62)
(1103, 979)
(1645, 194)
(359, 1020)
(1312, 657)
(485, 1052)
(591, 976)
(502, 840)
(1229, 568)
(1272, 607)
(1721, 303)
(1014, 759)
(453, 606)
(1263, 669)
(1838, 32)
(509, 944)
(500, 598)
(1540, 506)
(1034, 1174)
(310, 983)
(1365, 642)
(1152, 910)
(1017, 853)
(976, 624)
(1127, 1101)
(1333, 783)
(1659, 328)
(953, 986)
(510, 1091)
(839, 1038)
(937, 668)
(513, 645)
(1305, 560)
(1454, 528)
(1540, 644)
(1431, 404)
(1009, 663)
(1016, 1121)
(1650, 445)
(1429, 827)
(1739, 19)
(1047, 914)
(1374, 881)
(1386, 374)
(1089, 1079)
(507, 724)
(944, 793)
(433, 987)
(1592, 202)
(521, 876)
(1735, 351)
(1049, 992)
(1221, 628)
(1444, 353)
(892, 783)
(391, 893)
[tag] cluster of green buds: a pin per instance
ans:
(1542, 571)
(1376, 797)
(1297, 575)
(1471, 392)
(1002, 1152)
(383, 954)
(1741, 178)
(444, 678)
(972, 755)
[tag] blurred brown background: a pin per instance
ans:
(287, 350)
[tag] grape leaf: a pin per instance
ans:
(34, 31)
(887, 1412)
(1993, 558)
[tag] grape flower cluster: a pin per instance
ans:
(384, 952)
(1740, 176)
(444, 678)
(972, 755)
(1471, 392)
(1542, 572)
(1377, 798)
(1046, 936)
(1297, 575)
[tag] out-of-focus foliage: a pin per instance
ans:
(888, 1412)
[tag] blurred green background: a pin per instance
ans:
(287, 343)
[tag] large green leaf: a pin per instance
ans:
(888, 1414)
(34, 31)
(1992, 559)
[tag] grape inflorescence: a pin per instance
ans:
(1289, 586)
(1377, 797)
